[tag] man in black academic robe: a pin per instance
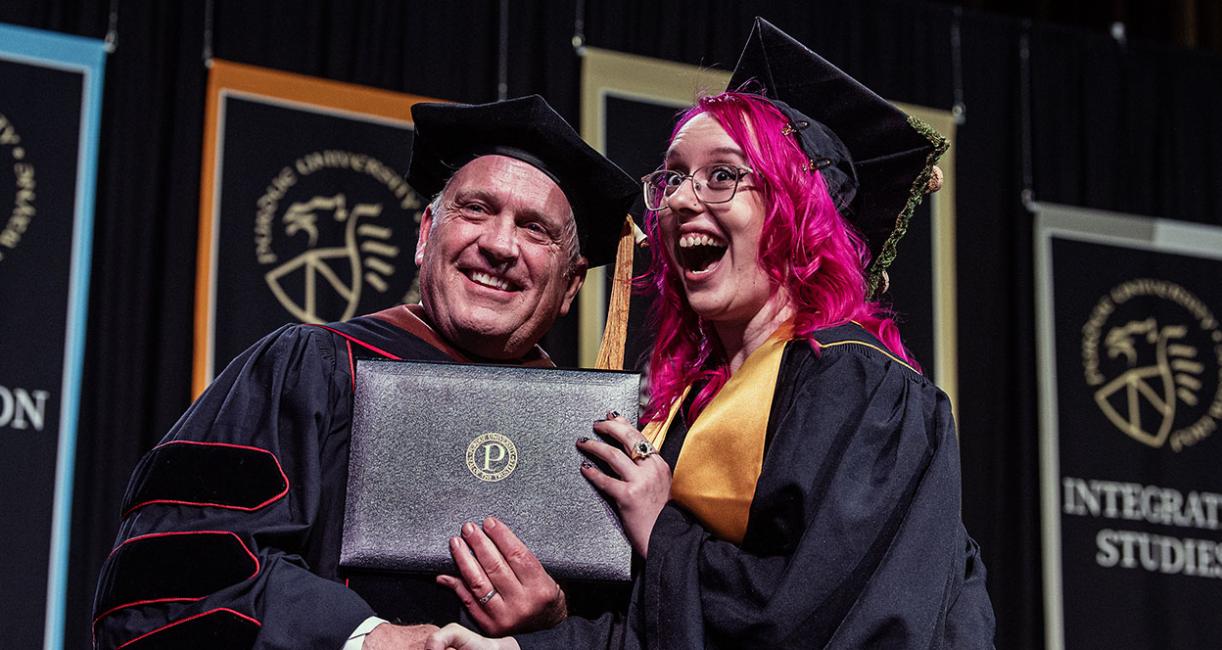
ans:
(231, 526)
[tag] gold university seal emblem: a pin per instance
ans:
(328, 230)
(14, 157)
(492, 457)
(1152, 352)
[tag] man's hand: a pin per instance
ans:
(641, 488)
(457, 637)
(503, 585)
(398, 637)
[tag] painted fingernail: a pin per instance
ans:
(582, 439)
(611, 415)
(489, 523)
(585, 464)
(468, 528)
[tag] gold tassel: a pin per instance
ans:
(611, 352)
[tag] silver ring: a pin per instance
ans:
(483, 600)
(642, 450)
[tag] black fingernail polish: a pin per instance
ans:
(585, 464)
(582, 439)
(611, 415)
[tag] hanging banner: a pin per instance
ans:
(628, 107)
(1131, 399)
(49, 120)
(305, 215)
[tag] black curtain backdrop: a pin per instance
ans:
(1122, 127)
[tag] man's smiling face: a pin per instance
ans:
(497, 260)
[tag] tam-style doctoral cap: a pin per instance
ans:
(449, 136)
(876, 160)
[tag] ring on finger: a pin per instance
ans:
(642, 449)
(483, 600)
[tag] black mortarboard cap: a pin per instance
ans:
(875, 159)
(449, 136)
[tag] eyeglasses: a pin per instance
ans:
(712, 184)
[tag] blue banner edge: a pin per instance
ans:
(87, 56)
(51, 47)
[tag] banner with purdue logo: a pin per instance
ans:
(305, 215)
(49, 112)
(1131, 401)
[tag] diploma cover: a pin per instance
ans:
(435, 445)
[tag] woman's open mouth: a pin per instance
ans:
(699, 253)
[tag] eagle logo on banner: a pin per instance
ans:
(327, 231)
(364, 257)
(1153, 351)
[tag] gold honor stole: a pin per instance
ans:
(723, 452)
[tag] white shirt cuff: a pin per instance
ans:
(356, 640)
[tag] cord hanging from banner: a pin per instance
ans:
(959, 110)
(579, 26)
(207, 53)
(112, 28)
(502, 72)
(1024, 74)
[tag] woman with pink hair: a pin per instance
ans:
(814, 499)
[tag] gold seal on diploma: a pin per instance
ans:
(492, 457)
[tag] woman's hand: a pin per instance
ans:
(640, 488)
(503, 585)
(460, 638)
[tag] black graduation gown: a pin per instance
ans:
(232, 526)
(854, 537)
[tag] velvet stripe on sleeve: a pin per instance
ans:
(259, 460)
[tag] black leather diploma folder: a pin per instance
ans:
(435, 445)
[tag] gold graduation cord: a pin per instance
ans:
(723, 452)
